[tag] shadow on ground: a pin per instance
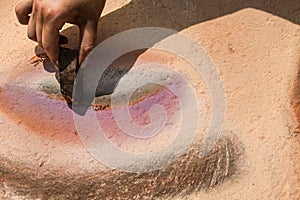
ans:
(172, 14)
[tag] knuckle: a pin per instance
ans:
(46, 46)
(38, 4)
(49, 11)
(20, 13)
(86, 48)
(18, 10)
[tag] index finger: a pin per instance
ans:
(50, 42)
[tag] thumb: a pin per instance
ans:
(23, 9)
(88, 34)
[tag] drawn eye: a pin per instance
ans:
(56, 156)
(256, 46)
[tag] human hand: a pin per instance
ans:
(45, 18)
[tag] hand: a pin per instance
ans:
(45, 18)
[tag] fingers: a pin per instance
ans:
(50, 42)
(46, 19)
(88, 34)
(23, 9)
(35, 24)
(31, 28)
(39, 29)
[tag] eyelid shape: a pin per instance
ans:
(50, 117)
(22, 100)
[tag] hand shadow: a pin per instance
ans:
(171, 14)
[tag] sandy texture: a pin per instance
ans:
(254, 44)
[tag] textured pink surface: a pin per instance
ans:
(51, 118)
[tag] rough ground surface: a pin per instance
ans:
(255, 45)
